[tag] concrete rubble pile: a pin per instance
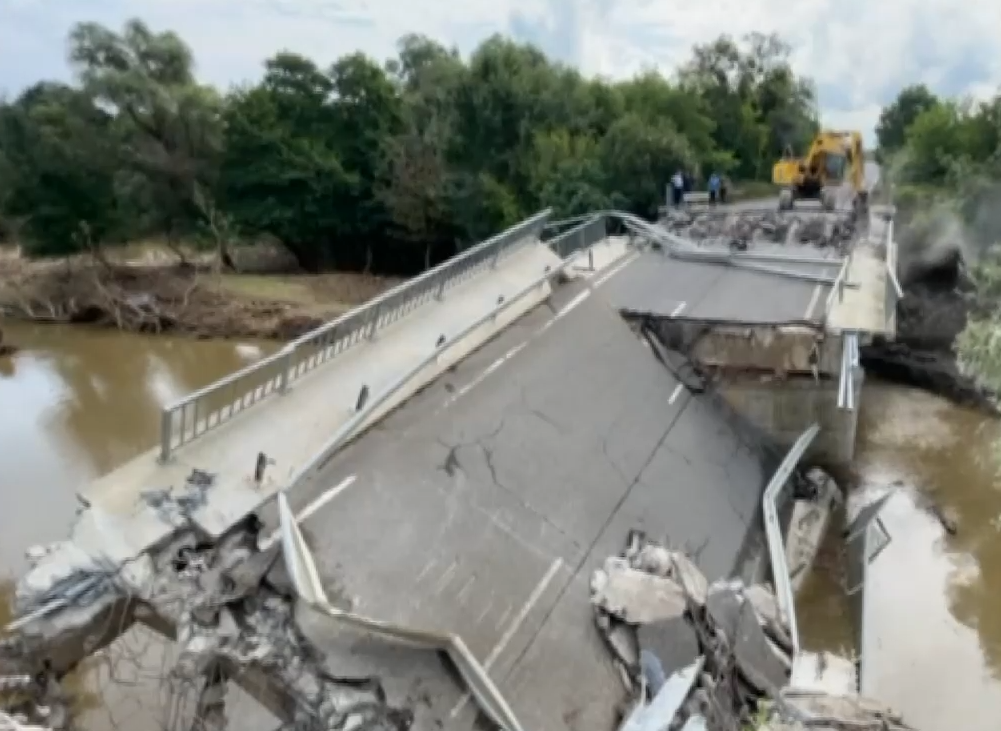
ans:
(696, 655)
(659, 616)
(234, 614)
(32, 703)
(229, 606)
(743, 229)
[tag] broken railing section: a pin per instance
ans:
(776, 491)
(306, 580)
(231, 607)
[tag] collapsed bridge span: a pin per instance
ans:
(481, 507)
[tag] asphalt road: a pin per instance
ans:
(483, 504)
(659, 285)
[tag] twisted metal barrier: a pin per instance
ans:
(776, 492)
(214, 405)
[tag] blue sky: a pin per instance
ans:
(860, 52)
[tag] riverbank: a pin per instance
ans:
(163, 294)
(934, 311)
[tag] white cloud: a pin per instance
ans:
(860, 52)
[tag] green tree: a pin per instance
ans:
(59, 157)
(898, 116)
(281, 170)
(167, 127)
(387, 167)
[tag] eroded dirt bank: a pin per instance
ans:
(262, 301)
(938, 299)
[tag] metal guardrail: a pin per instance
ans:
(850, 363)
(774, 492)
(366, 405)
(208, 408)
(580, 237)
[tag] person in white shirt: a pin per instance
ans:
(677, 189)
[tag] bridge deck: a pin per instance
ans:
(483, 504)
(290, 428)
(659, 285)
(862, 308)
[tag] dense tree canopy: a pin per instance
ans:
(390, 166)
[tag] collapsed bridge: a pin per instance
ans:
(465, 451)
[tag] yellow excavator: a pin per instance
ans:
(833, 170)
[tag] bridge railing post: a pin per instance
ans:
(373, 326)
(286, 369)
(166, 433)
(497, 253)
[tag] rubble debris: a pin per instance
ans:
(635, 596)
(176, 508)
(742, 229)
(659, 615)
(216, 600)
(227, 616)
(33, 702)
(719, 659)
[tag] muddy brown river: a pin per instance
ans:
(75, 402)
(935, 610)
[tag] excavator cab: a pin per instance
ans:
(833, 166)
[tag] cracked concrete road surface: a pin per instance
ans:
(483, 504)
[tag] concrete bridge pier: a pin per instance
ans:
(781, 377)
(786, 406)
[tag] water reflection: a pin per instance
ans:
(935, 599)
(77, 402)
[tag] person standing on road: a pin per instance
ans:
(677, 189)
(714, 187)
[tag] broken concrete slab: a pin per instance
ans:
(621, 638)
(634, 596)
(672, 641)
(691, 579)
(767, 610)
(759, 661)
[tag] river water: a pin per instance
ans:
(934, 598)
(76, 402)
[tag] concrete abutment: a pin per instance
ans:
(785, 408)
